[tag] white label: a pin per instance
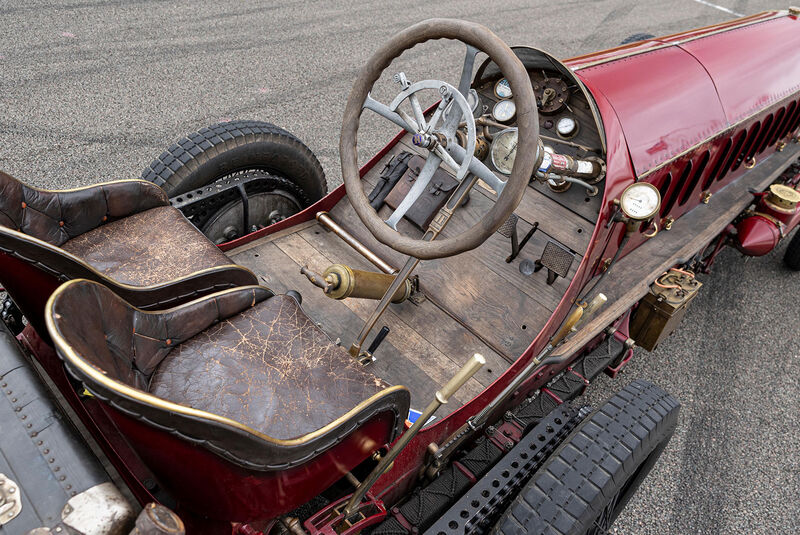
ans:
(584, 168)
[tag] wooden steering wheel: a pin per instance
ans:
(438, 134)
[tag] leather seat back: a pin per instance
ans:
(114, 349)
(57, 216)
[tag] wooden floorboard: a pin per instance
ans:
(281, 273)
(491, 305)
(441, 331)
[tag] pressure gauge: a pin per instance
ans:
(640, 201)
(504, 111)
(502, 89)
(567, 127)
(504, 150)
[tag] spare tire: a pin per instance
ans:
(588, 480)
(223, 149)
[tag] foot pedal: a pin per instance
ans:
(557, 259)
(509, 230)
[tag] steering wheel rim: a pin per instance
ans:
(485, 40)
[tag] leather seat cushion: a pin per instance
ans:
(269, 367)
(147, 248)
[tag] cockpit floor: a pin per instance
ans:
(475, 302)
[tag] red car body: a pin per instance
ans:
(689, 113)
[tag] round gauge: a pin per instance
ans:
(502, 89)
(551, 94)
(567, 127)
(504, 150)
(504, 111)
(640, 201)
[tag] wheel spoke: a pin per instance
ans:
(384, 111)
(437, 114)
(466, 71)
(477, 168)
(420, 117)
(425, 175)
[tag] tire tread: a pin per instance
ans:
(573, 487)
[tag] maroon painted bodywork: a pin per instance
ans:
(708, 100)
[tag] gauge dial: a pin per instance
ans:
(640, 201)
(504, 111)
(567, 127)
(502, 89)
(504, 150)
(552, 94)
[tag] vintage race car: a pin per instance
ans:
(531, 223)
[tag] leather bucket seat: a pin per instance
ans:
(122, 234)
(237, 401)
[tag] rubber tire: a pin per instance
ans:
(635, 38)
(594, 463)
(791, 258)
(201, 158)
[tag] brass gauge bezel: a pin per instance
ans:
(649, 216)
(494, 145)
(498, 95)
(504, 102)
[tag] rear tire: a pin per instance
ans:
(223, 149)
(588, 480)
(791, 258)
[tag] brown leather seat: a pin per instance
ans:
(243, 373)
(122, 234)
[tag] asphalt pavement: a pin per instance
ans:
(93, 90)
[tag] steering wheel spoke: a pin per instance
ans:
(466, 70)
(477, 168)
(384, 111)
(425, 175)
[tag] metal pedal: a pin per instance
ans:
(557, 259)
(509, 230)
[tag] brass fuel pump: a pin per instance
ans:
(340, 282)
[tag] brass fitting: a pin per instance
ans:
(347, 282)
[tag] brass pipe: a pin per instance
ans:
(440, 398)
(326, 221)
(347, 282)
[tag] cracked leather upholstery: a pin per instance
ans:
(122, 234)
(147, 248)
(244, 354)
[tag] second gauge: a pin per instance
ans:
(504, 150)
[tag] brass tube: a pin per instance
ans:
(347, 282)
(326, 221)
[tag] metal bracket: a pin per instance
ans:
(10, 500)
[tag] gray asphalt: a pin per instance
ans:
(94, 90)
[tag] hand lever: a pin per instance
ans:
(440, 398)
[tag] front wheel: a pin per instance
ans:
(587, 482)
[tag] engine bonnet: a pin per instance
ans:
(672, 93)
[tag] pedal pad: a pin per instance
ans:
(509, 228)
(557, 259)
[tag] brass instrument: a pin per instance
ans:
(340, 282)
